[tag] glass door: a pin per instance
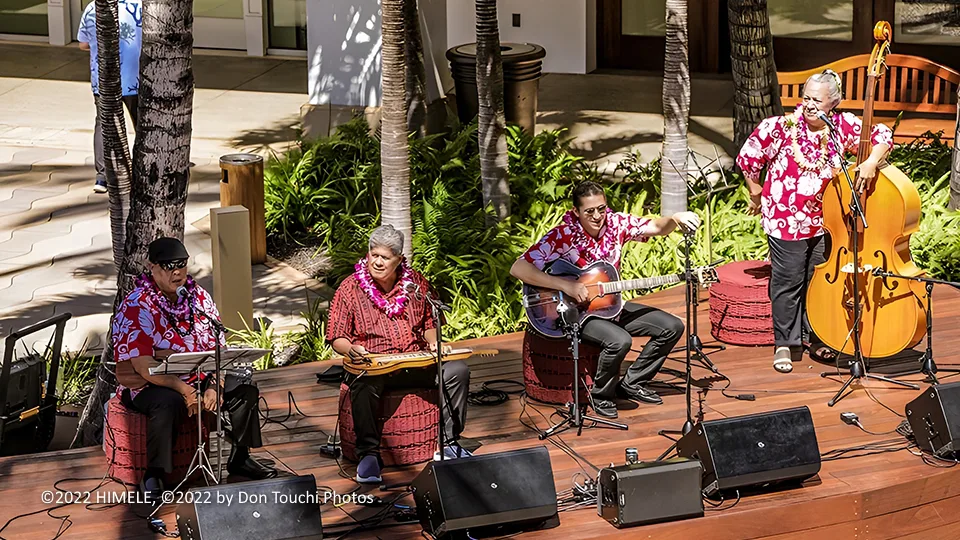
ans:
(631, 34)
(218, 24)
(23, 17)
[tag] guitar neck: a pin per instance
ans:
(864, 149)
(642, 283)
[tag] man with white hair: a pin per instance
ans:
(374, 311)
(801, 159)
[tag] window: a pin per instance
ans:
(812, 19)
(288, 24)
(28, 17)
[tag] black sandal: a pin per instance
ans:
(820, 352)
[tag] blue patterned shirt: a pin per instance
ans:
(130, 13)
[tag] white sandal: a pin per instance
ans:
(782, 360)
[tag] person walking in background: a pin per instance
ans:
(130, 14)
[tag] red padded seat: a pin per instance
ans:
(125, 444)
(548, 368)
(409, 418)
(740, 304)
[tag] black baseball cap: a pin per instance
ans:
(166, 249)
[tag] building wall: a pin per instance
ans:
(343, 49)
(565, 28)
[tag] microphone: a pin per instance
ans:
(182, 292)
(826, 120)
(413, 288)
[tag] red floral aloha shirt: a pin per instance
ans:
(569, 241)
(792, 199)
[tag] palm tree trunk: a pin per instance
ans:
(756, 91)
(955, 170)
(416, 76)
(491, 122)
(161, 165)
(676, 109)
(117, 164)
(394, 161)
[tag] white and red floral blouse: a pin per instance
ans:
(141, 327)
(792, 200)
(569, 241)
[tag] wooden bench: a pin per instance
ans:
(924, 91)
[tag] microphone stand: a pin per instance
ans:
(927, 366)
(436, 306)
(573, 416)
(693, 346)
(219, 332)
(858, 367)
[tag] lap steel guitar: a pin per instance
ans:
(381, 364)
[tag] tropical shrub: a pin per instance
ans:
(329, 190)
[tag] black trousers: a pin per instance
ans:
(366, 392)
(166, 410)
(616, 338)
(131, 103)
(792, 263)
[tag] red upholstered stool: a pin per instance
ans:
(548, 368)
(409, 418)
(740, 304)
(125, 444)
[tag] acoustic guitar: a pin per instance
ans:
(604, 287)
(381, 364)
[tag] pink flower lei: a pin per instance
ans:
(179, 311)
(393, 308)
(600, 248)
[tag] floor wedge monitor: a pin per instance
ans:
(754, 450)
(487, 493)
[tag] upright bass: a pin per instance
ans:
(892, 311)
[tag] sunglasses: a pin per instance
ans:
(173, 265)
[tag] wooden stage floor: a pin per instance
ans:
(880, 496)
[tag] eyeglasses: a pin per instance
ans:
(598, 211)
(173, 265)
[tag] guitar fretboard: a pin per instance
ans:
(634, 284)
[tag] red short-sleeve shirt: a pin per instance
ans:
(355, 317)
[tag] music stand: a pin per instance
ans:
(573, 416)
(858, 366)
(197, 363)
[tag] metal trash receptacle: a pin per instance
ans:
(522, 70)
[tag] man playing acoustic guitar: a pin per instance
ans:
(378, 310)
(591, 232)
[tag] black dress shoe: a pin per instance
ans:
(252, 469)
(152, 489)
(642, 393)
(604, 407)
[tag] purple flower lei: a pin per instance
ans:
(179, 311)
(600, 248)
(393, 308)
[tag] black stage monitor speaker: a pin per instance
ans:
(934, 417)
(642, 493)
(274, 509)
(513, 489)
(754, 450)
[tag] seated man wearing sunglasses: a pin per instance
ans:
(154, 322)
